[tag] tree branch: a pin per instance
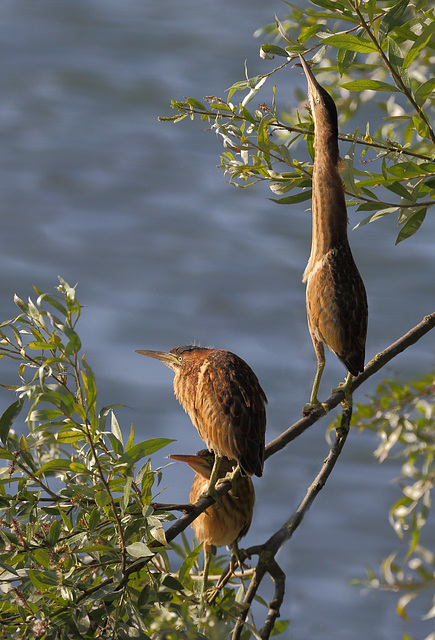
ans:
(379, 361)
(268, 550)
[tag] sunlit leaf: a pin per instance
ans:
(351, 42)
(412, 225)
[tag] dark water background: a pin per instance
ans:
(166, 252)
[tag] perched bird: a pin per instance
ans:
(225, 525)
(225, 402)
(336, 297)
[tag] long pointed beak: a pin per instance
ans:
(169, 359)
(312, 82)
(195, 462)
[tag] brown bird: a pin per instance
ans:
(225, 402)
(224, 525)
(336, 297)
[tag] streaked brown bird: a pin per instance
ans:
(336, 297)
(225, 402)
(224, 525)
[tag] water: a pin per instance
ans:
(166, 252)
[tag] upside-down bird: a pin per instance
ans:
(225, 402)
(336, 297)
(225, 525)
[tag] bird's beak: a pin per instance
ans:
(313, 85)
(195, 462)
(169, 359)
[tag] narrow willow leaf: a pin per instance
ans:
(372, 85)
(274, 50)
(54, 532)
(114, 427)
(419, 44)
(139, 550)
(424, 91)
(391, 19)
(345, 58)
(53, 465)
(297, 197)
(414, 223)
(196, 104)
(395, 56)
(189, 562)
(8, 417)
(142, 449)
(349, 41)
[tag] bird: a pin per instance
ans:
(336, 298)
(225, 525)
(224, 399)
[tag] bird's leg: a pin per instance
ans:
(346, 387)
(211, 491)
(314, 402)
(207, 559)
(237, 557)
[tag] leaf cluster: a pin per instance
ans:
(83, 552)
(403, 418)
(381, 51)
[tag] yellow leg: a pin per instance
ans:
(211, 491)
(314, 402)
(346, 387)
(207, 559)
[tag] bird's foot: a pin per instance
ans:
(346, 388)
(212, 493)
(232, 476)
(238, 557)
(314, 405)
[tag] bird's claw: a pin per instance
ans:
(312, 406)
(212, 493)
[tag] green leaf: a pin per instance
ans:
(90, 392)
(351, 42)
(297, 197)
(172, 583)
(345, 58)
(189, 562)
(43, 580)
(8, 417)
(424, 91)
(412, 225)
(114, 427)
(53, 465)
(54, 532)
(143, 449)
(395, 56)
(419, 44)
(391, 19)
(139, 550)
(372, 85)
(274, 50)
(196, 104)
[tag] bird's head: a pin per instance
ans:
(323, 109)
(202, 462)
(176, 358)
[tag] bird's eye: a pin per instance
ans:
(317, 100)
(180, 358)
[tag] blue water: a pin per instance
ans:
(166, 252)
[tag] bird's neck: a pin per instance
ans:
(328, 202)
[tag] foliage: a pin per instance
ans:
(403, 417)
(380, 51)
(82, 549)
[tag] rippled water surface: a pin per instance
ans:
(166, 252)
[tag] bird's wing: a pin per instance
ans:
(240, 410)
